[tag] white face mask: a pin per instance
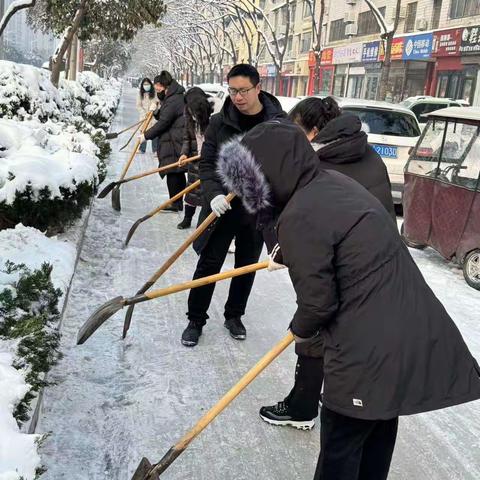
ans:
(147, 87)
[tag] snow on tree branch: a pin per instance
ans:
(12, 9)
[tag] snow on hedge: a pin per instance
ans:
(28, 246)
(43, 155)
(19, 450)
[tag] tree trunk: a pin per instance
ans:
(67, 40)
(73, 59)
(387, 63)
(318, 49)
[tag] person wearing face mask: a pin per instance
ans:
(146, 102)
(169, 131)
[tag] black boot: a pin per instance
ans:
(236, 328)
(187, 220)
(191, 334)
(185, 223)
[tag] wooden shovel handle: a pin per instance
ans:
(183, 443)
(194, 236)
(199, 282)
(145, 125)
(161, 169)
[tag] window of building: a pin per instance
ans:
(293, 10)
(367, 24)
(437, 10)
(337, 30)
(262, 3)
(306, 42)
(411, 17)
(306, 10)
(464, 8)
(289, 46)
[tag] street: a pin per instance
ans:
(114, 401)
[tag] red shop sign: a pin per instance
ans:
(447, 42)
(397, 50)
(311, 59)
(327, 56)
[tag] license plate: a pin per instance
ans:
(386, 151)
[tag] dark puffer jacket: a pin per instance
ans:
(390, 347)
(169, 127)
(190, 149)
(342, 146)
(223, 126)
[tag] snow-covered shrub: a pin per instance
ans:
(35, 272)
(47, 174)
(91, 82)
(27, 93)
(74, 96)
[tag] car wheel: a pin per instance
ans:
(409, 243)
(471, 269)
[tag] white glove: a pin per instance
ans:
(153, 107)
(219, 205)
(141, 138)
(275, 254)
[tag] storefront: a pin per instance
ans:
(327, 72)
(269, 85)
(373, 69)
(288, 79)
(348, 77)
(457, 54)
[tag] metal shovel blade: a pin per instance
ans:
(133, 228)
(98, 318)
(106, 190)
(141, 473)
(111, 136)
(116, 205)
(128, 320)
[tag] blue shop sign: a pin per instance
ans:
(271, 70)
(417, 47)
(370, 52)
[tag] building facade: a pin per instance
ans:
(436, 50)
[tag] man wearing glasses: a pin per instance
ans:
(246, 107)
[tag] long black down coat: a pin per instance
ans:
(223, 126)
(169, 127)
(342, 146)
(390, 347)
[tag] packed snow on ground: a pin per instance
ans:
(18, 451)
(43, 155)
(24, 245)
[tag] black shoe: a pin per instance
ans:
(236, 328)
(185, 223)
(279, 415)
(191, 334)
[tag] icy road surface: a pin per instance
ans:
(115, 401)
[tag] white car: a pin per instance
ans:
(392, 130)
(421, 105)
(217, 91)
(287, 103)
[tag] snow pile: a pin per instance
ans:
(30, 247)
(43, 156)
(19, 451)
(26, 92)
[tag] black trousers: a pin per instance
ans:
(176, 182)
(353, 449)
(248, 246)
(305, 395)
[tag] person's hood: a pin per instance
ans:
(341, 140)
(268, 165)
(174, 89)
(271, 105)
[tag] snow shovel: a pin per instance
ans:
(164, 205)
(113, 135)
(116, 191)
(170, 261)
(103, 313)
(130, 138)
(147, 471)
(112, 185)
